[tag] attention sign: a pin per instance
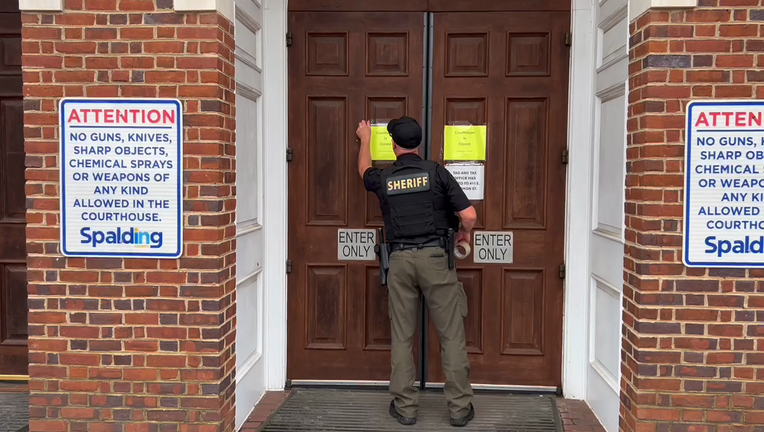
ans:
(724, 184)
(121, 188)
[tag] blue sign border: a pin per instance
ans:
(687, 176)
(179, 163)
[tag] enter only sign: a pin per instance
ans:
(493, 247)
(356, 245)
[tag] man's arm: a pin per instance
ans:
(460, 204)
(364, 153)
(468, 218)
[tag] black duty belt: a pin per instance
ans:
(406, 246)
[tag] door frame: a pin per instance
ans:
(578, 198)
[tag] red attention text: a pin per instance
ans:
(729, 119)
(117, 116)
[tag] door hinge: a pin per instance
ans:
(568, 39)
(289, 39)
(289, 266)
(565, 156)
(562, 271)
(289, 154)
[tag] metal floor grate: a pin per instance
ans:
(345, 410)
(14, 410)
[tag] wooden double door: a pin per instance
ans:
(13, 256)
(506, 69)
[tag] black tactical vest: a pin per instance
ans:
(412, 210)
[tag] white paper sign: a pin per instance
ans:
(493, 247)
(121, 182)
(724, 184)
(471, 178)
(356, 244)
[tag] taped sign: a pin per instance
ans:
(493, 247)
(356, 244)
(471, 179)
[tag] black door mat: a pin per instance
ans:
(359, 410)
(14, 411)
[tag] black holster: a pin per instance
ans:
(448, 243)
(382, 249)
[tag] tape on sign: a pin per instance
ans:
(465, 246)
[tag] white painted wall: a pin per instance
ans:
(250, 227)
(606, 243)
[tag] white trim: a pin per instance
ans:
(614, 292)
(247, 227)
(41, 5)
(246, 19)
(579, 199)
(225, 7)
(275, 103)
(612, 234)
(247, 366)
(638, 7)
(246, 281)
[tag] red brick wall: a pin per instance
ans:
(133, 345)
(693, 344)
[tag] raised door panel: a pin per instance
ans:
(13, 300)
(467, 55)
(525, 163)
(377, 334)
(327, 156)
(383, 109)
(327, 54)
(387, 54)
(522, 317)
(327, 307)
(13, 207)
(611, 162)
(528, 54)
(10, 50)
(471, 280)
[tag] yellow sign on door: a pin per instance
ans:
(464, 143)
(381, 144)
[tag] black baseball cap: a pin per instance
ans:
(406, 132)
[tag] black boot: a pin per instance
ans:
(408, 421)
(461, 422)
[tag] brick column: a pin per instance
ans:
(122, 345)
(693, 339)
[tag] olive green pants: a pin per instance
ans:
(427, 270)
